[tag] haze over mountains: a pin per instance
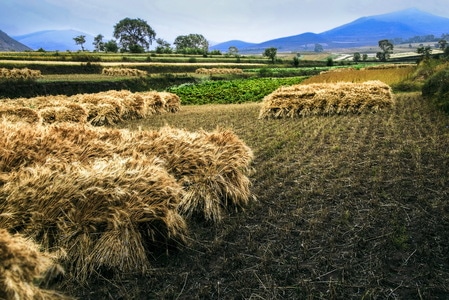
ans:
(365, 31)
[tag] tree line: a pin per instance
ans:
(136, 36)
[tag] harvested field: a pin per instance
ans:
(326, 99)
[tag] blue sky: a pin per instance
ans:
(217, 20)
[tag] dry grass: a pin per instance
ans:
(22, 265)
(326, 99)
(22, 74)
(124, 72)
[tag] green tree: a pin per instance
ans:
(271, 53)
(98, 42)
(80, 40)
(318, 48)
(387, 48)
(163, 46)
(356, 57)
(425, 51)
(365, 57)
(233, 51)
(442, 44)
(134, 35)
(191, 44)
(111, 46)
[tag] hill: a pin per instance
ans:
(52, 40)
(365, 31)
(7, 43)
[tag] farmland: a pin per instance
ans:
(342, 206)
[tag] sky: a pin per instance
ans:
(217, 20)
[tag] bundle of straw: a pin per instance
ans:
(21, 266)
(107, 215)
(326, 99)
(19, 114)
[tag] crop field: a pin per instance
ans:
(187, 193)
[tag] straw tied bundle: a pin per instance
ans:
(327, 99)
(21, 266)
(103, 108)
(110, 197)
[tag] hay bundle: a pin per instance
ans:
(326, 99)
(22, 145)
(123, 72)
(70, 112)
(108, 215)
(170, 102)
(211, 167)
(19, 114)
(21, 265)
(153, 102)
(218, 71)
(24, 73)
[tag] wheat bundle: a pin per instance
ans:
(23, 73)
(70, 112)
(110, 214)
(170, 102)
(124, 72)
(22, 145)
(211, 167)
(153, 102)
(19, 114)
(21, 265)
(218, 71)
(326, 99)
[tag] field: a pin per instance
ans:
(349, 206)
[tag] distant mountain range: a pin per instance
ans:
(9, 44)
(51, 40)
(365, 31)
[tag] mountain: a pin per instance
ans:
(224, 47)
(401, 24)
(51, 40)
(9, 44)
(365, 31)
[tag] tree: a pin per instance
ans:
(191, 44)
(442, 44)
(80, 40)
(387, 48)
(98, 42)
(233, 51)
(163, 46)
(365, 57)
(425, 51)
(318, 48)
(356, 57)
(134, 35)
(111, 46)
(271, 53)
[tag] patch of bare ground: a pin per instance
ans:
(350, 207)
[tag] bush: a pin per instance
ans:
(436, 88)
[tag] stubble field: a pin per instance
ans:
(349, 206)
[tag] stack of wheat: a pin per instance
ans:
(327, 99)
(103, 108)
(124, 72)
(111, 197)
(218, 71)
(23, 74)
(22, 264)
